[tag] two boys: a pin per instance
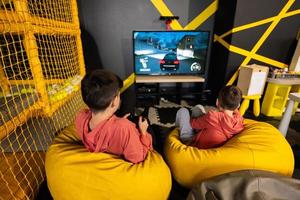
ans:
(102, 131)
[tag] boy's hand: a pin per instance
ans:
(126, 115)
(143, 125)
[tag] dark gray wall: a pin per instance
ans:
(279, 45)
(109, 25)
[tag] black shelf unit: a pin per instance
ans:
(151, 93)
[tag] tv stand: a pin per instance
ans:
(169, 79)
(150, 87)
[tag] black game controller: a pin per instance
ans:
(134, 118)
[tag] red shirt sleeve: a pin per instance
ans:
(199, 122)
(136, 145)
(146, 140)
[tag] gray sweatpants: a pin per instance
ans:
(183, 122)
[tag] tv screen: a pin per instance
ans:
(170, 52)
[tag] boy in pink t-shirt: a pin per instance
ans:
(216, 127)
(102, 131)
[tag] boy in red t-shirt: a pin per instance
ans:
(216, 127)
(102, 131)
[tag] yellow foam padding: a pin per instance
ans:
(259, 146)
(74, 173)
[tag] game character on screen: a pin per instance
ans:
(100, 129)
(214, 128)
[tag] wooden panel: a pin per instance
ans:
(168, 79)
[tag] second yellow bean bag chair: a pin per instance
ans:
(74, 173)
(259, 146)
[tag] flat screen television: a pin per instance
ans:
(170, 52)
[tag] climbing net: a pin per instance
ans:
(41, 66)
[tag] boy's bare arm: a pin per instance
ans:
(146, 138)
(143, 125)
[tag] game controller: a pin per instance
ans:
(134, 118)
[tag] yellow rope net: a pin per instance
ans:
(41, 65)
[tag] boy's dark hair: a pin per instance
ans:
(99, 88)
(230, 97)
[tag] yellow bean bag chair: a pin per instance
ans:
(259, 146)
(74, 173)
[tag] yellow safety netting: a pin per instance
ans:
(41, 65)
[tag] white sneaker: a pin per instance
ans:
(198, 111)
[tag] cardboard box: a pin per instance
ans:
(252, 79)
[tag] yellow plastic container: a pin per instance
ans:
(275, 99)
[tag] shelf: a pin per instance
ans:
(283, 81)
(167, 90)
(169, 79)
(152, 87)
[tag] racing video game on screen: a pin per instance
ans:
(170, 52)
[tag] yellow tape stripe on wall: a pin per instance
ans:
(163, 9)
(244, 52)
(258, 23)
(262, 39)
(128, 82)
(268, 31)
(203, 16)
